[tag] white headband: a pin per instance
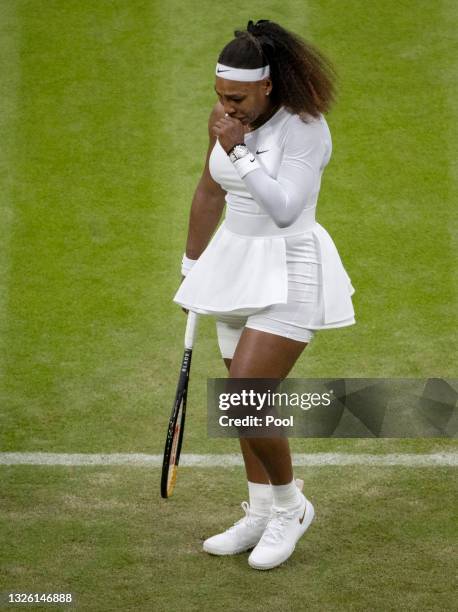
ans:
(242, 74)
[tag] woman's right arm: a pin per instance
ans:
(208, 201)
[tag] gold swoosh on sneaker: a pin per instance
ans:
(301, 520)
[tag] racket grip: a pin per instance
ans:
(190, 333)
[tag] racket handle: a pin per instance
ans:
(190, 333)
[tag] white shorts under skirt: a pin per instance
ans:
(288, 320)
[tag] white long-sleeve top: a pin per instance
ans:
(271, 197)
(282, 176)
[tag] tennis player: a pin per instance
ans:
(270, 275)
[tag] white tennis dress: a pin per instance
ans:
(269, 251)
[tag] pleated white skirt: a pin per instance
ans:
(250, 264)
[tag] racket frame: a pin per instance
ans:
(174, 438)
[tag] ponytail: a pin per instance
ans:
(303, 79)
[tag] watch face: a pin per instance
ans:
(240, 151)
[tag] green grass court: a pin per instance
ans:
(382, 541)
(103, 114)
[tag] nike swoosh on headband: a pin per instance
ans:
(259, 152)
(242, 74)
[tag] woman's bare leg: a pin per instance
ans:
(255, 471)
(263, 355)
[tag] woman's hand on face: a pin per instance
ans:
(229, 131)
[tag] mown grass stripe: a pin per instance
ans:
(9, 83)
(228, 460)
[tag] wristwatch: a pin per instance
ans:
(237, 152)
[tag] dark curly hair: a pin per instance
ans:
(303, 80)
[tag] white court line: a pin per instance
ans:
(311, 459)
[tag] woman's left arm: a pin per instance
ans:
(306, 151)
(285, 197)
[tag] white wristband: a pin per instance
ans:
(186, 264)
(246, 164)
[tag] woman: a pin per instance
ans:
(270, 275)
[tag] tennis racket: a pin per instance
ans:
(176, 422)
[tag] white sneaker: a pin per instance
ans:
(282, 532)
(243, 535)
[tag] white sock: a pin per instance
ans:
(261, 497)
(286, 496)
